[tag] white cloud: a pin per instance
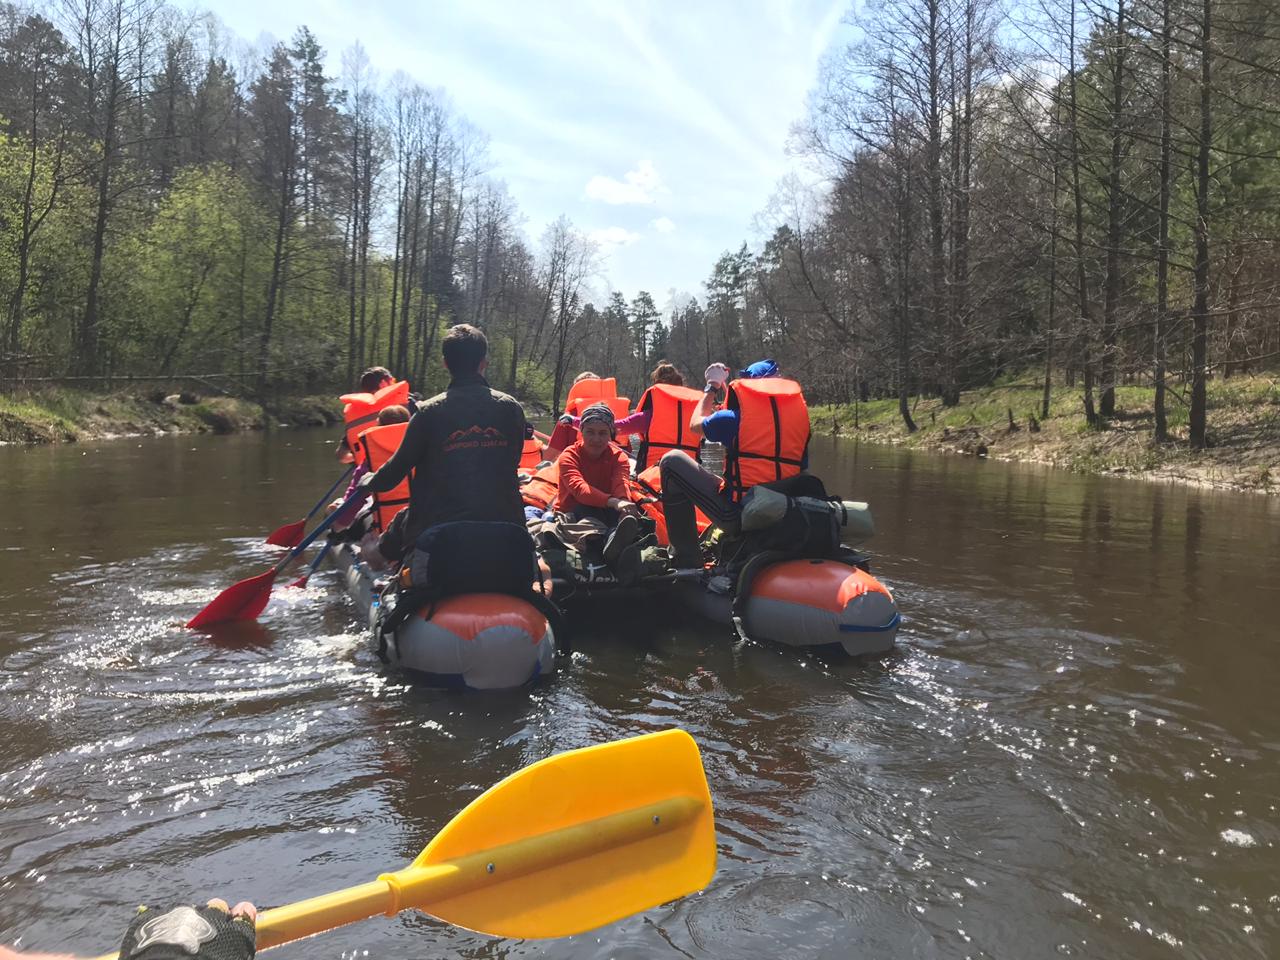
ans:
(637, 186)
(609, 239)
(571, 113)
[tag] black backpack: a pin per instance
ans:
(802, 532)
(474, 556)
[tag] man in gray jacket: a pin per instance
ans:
(463, 447)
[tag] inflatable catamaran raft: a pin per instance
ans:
(803, 585)
(829, 601)
(481, 641)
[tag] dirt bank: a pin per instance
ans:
(1004, 423)
(61, 415)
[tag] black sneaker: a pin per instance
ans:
(624, 534)
(628, 565)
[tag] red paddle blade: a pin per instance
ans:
(290, 535)
(301, 581)
(240, 601)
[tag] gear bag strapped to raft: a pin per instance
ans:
(360, 410)
(797, 518)
(670, 409)
(793, 519)
(472, 556)
(377, 446)
(773, 433)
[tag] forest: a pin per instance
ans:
(1063, 191)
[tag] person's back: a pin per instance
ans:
(463, 446)
(473, 437)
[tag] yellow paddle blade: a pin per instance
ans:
(565, 845)
(577, 840)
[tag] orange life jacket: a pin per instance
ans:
(602, 390)
(541, 491)
(648, 485)
(360, 410)
(669, 409)
(531, 454)
(376, 447)
(773, 432)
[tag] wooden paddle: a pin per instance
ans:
(565, 845)
(248, 598)
(291, 533)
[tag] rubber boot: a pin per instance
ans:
(682, 532)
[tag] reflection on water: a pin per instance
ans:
(1072, 751)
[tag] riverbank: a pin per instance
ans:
(64, 416)
(1003, 423)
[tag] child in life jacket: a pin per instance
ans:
(392, 414)
(371, 381)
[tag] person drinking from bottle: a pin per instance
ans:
(764, 427)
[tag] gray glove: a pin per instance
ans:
(186, 931)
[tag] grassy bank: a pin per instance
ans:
(1003, 422)
(61, 415)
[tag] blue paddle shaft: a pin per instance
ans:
(324, 525)
(324, 552)
(325, 499)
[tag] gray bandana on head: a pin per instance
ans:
(598, 411)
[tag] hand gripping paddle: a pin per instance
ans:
(565, 845)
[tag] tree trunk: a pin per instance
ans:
(366, 229)
(410, 267)
(1200, 310)
(355, 250)
(1161, 432)
(1232, 362)
(960, 282)
(397, 269)
(87, 347)
(1051, 323)
(940, 315)
(1111, 298)
(904, 300)
(276, 283)
(515, 350)
(1082, 282)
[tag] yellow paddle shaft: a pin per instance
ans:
(420, 886)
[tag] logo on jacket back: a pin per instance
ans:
(473, 437)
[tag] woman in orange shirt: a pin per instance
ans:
(593, 486)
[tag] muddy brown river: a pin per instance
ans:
(1073, 751)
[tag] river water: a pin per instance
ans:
(1072, 752)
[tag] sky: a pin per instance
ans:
(659, 127)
